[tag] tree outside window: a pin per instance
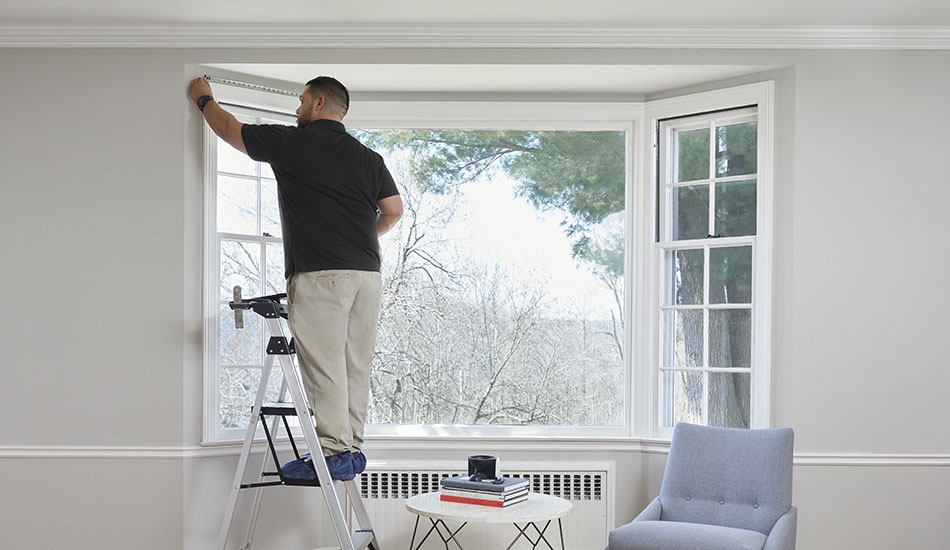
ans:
(503, 283)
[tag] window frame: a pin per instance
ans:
(760, 96)
(642, 273)
(474, 115)
(212, 433)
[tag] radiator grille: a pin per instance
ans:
(405, 484)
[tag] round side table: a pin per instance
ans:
(538, 508)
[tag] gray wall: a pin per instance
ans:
(100, 265)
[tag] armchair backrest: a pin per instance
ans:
(729, 477)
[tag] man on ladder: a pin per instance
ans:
(336, 197)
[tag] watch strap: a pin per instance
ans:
(203, 100)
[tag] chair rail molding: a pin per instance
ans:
(475, 36)
(658, 447)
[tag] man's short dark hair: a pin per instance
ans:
(333, 91)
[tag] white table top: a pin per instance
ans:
(538, 507)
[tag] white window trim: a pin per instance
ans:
(211, 432)
(640, 277)
(432, 114)
(647, 372)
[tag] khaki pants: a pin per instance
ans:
(333, 316)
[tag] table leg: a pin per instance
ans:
(523, 532)
(414, 529)
(421, 542)
(541, 535)
(451, 535)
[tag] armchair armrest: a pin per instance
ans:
(783, 532)
(651, 512)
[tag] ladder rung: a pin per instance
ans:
(308, 482)
(262, 484)
(302, 482)
(280, 409)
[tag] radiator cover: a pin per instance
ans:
(589, 487)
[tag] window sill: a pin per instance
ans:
(467, 443)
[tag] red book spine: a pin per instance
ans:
(464, 500)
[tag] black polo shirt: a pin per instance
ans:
(327, 187)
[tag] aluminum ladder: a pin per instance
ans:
(280, 346)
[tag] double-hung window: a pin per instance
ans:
(246, 243)
(711, 257)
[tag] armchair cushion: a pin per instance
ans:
(674, 535)
(728, 477)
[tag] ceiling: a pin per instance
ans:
(627, 80)
(489, 12)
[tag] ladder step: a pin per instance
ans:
(361, 539)
(308, 482)
(280, 409)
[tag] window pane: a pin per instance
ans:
(233, 161)
(736, 149)
(692, 155)
(239, 346)
(730, 338)
(730, 275)
(237, 390)
(276, 283)
(237, 205)
(270, 214)
(687, 276)
(240, 265)
(729, 394)
(683, 401)
(511, 318)
(735, 208)
(690, 212)
(684, 338)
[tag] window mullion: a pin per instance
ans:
(248, 238)
(712, 175)
(705, 404)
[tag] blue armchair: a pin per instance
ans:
(723, 489)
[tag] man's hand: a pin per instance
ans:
(222, 123)
(200, 87)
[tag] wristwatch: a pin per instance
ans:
(203, 100)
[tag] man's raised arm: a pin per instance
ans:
(221, 122)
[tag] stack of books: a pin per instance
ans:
(499, 493)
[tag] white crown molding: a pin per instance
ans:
(474, 36)
(646, 446)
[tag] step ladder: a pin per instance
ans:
(272, 309)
